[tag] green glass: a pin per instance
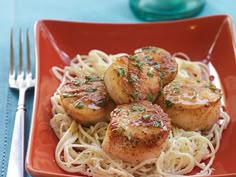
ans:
(160, 10)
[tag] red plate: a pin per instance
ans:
(58, 41)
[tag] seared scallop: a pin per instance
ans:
(85, 99)
(136, 132)
(161, 60)
(191, 104)
(130, 79)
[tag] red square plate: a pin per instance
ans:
(58, 41)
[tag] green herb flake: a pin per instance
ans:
(136, 141)
(120, 71)
(169, 103)
(102, 103)
(151, 48)
(90, 89)
(148, 60)
(173, 70)
(133, 78)
(134, 94)
(154, 49)
(157, 66)
(205, 86)
(212, 87)
(100, 140)
(157, 123)
(90, 78)
(162, 74)
(121, 129)
(79, 104)
(174, 83)
(150, 74)
(68, 95)
(159, 94)
(138, 64)
(146, 116)
(149, 97)
(176, 90)
(76, 82)
(137, 108)
(132, 57)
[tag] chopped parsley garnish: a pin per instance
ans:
(132, 57)
(149, 97)
(133, 78)
(76, 82)
(90, 89)
(162, 74)
(100, 140)
(138, 64)
(102, 103)
(176, 90)
(159, 94)
(174, 83)
(157, 123)
(173, 70)
(89, 79)
(68, 95)
(134, 94)
(121, 129)
(212, 87)
(146, 116)
(79, 104)
(137, 108)
(136, 141)
(120, 71)
(157, 66)
(150, 74)
(153, 49)
(148, 60)
(168, 103)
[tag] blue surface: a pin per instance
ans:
(23, 14)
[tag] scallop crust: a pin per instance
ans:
(86, 100)
(130, 79)
(191, 104)
(136, 131)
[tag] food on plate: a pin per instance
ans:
(140, 76)
(138, 140)
(128, 79)
(161, 60)
(192, 104)
(136, 132)
(86, 100)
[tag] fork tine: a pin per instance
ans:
(12, 53)
(20, 69)
(28, 53)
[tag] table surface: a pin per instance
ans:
(23, 14)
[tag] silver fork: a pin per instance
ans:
(21, 81)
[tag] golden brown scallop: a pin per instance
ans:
(85, 99)
(161, 60)
(191, 104)
(130, 79)
(136, 131)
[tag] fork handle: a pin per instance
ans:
(16, 159)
